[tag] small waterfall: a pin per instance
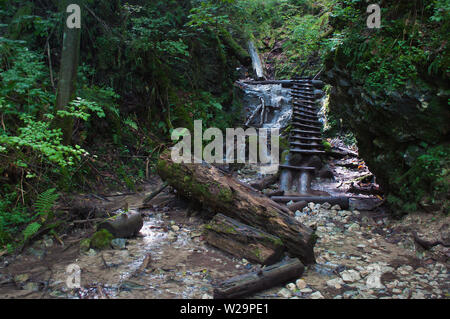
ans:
(273, 99)
(256, 61)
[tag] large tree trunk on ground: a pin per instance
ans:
(243, 241)
(268, 277)
(222, 193)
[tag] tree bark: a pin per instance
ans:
(68, 71)
(222, 193)
(243, 241)
(268, 277)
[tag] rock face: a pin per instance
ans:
(394, 130)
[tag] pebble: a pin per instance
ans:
(335, 283)
(350, 275)
(175, 228)
(20, 279)
(284, 293)
(301, 284)
(326, 205)
(336, 207)
(292, 287)
(317, 295)
(119, 243)
(206, 296)
(306, 290)
(421, 270)
(31, 286)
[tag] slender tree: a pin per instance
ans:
(69, 65)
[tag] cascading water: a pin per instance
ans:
(269, 102)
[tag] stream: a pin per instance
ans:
(360, 254)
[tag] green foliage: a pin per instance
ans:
(396, 55)
(45, 201)
(428, 176)
(101, 239)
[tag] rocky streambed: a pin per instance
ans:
(359, 254)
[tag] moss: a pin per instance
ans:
(101, 239)
(225, 195)
(85, 244)
(284, 156)
(327, 146)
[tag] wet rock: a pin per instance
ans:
(175, 228)
(101, 239)
(119, 243)
(373, 280)
(335, 283)
(38, 253)
(301, 284)
(336, 207)
(91, 252)
(317, 295)
(85, 244)
(306, 290)
(284, 293)
(292, 287)
(21, 279)
(31, 286)
(421, 270)
(206, 296)
(350, 275)
(326, 205)
(171, 236)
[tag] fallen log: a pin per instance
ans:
(244, 285)
(265, 182)
(123, 225)
(221, 193)
(365, 190)
(341, 201)
(243, 241)
(297, 206)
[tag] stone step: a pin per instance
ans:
(298, 168)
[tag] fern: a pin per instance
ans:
(31, 230)
(45, 201)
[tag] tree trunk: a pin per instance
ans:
(222, 193)
(243, 241)
(266, 278)
(68, 71)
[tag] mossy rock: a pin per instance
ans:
(101, 239)
(85, 244)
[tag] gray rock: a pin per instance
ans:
(119, 243)
(317, 295)
(284, 293)
(301, 284)
(31, 286)
(350, 275)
